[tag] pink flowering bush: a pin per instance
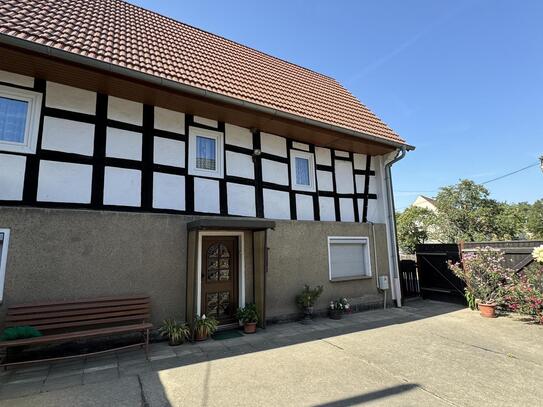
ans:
(523, 293)
(485, 273)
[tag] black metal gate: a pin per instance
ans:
(409, 281)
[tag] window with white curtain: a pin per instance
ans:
(302, 170)
(206, 149)
(348, 258)
(4, 242)
(19, 119)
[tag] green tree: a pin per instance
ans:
(467, 213)
(414, 227)
(512, 221)
(534, 223)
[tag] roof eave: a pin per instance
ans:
(167, 83)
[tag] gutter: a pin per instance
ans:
(391, 224)
(192, 90)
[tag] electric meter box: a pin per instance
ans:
(383, 282)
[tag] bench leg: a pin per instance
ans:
(147, 344)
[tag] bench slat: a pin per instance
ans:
(89, 323)
(77, 335)
(67, 302)
(91, 311)
(57, 307)
(136, 314)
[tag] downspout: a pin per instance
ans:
(391, 224)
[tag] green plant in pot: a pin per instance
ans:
(306, 300)
(204, 327)
(484, 271)
(248, 316)
(176, 332)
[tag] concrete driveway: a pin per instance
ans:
(425, 354)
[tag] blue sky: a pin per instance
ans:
(461, 80)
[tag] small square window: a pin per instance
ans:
(19, 119)
(302, 170)
(348, 258)
(206, 150)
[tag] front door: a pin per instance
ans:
(220, 277)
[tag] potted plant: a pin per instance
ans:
(204, 327)
(306, 300)
(338, 307)
(248, 316)
(484, 272)
(176, 332)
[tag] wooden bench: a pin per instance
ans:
(80, 319)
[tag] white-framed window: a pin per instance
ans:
(206, 151)
(302, 170)
(348, 258)
(4, 243)
(19, 119)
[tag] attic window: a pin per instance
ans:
(206, 150)
(19, 119)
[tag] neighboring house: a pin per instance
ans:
(425, 202)
(141, 155)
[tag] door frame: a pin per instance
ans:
(241, 265)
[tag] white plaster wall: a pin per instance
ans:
(323, 156)
(272, 144)
(206, 195)
(343, 154)
(359, 161)
(168, 191)
(206, 121)
(276, 172)
(300, 146)
(169, 152)
(122, 187)
(344, 177)
(123, 144)
(346, 209)
(238, 136)
(241, 199)
(304, 207)
(16, 79)
(327, 208)
(376, 212)
(169, 120)
(359, 181)
(68, 136)
(64, 182)
(124, 110)
(276, 204)
(69, 98)
(12, 177)
(373, 185)
(325, 181)
(240, 165)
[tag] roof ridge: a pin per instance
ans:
(223, 38)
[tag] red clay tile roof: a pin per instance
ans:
(119, 33)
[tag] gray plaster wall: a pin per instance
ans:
(298, 255)
(62, 254)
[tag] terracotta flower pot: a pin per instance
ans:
(200, 335)
(487, 310)
(335, 314)
(249, 327)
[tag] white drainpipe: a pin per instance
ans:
(391, 229)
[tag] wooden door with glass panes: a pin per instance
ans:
(220, 277)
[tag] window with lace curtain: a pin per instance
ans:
(205, 152)
(302, 170)
(19, 119)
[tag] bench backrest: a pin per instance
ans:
(73, 315)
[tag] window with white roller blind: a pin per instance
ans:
(348, 258)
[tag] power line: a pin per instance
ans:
(510, 173)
